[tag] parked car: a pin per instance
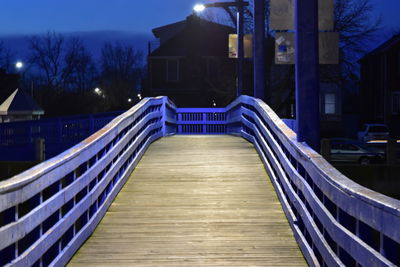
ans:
(346, 150)
(373, 131)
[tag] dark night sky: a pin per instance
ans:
(138, 16)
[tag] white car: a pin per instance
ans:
(373, 131)
(345, 150)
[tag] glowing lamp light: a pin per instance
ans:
(97, 90)
(19, 65)
(129, 100)
(199, 8)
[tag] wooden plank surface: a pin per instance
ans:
(194, 201)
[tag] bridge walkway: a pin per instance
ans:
(194, 201)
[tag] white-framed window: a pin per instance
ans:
(330, 103)
(396, 102)
(172, 70)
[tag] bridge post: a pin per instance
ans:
(307, 73)
(40, 149)
(259, 50)
(164, 116)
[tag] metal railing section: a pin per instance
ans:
(47, 212)
(201, 121)
(335, 221)
(17, 139)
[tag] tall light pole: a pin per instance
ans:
(240, 45)
(239, 4)
(259, 50)
(307, 73)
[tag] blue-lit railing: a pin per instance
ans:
(201, 121)
(47, 212)
(336, 222)
(17, 139)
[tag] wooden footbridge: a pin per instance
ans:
(223, 187)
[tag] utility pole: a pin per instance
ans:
(239, 4)
(307, 73)
(259, 50)
(240, 34)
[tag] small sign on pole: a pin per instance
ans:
(282, 14)
(325, 15)
(284, 48)
(233, 46)
(328, 48)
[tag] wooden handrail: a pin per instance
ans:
(48, 211)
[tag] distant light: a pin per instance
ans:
(139, 96)
(19, 65)
(199, 8)
(129, 100)
(99, 92)
(380, 141)
(214, 104)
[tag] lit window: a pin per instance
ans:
(172, 70)
(396, 102)
(330, 103)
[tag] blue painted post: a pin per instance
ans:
(179, 122)
(240, 33)
(204, 120)
(258, 50)
(307, 73)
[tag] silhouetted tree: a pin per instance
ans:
(121, 70)
(47, 56)
(79, 72)
(5, 58)
(355, 22)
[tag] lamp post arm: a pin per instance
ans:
(231, 15)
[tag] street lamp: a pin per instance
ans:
(97, 91)
(19, 65)
(199, 8)
(239, 4)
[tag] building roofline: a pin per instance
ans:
(383, 47)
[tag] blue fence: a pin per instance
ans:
(17, 139)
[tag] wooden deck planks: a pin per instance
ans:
(194, 201)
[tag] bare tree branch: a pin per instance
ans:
(47, 55)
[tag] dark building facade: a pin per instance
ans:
(380, 85)
(191, 65)
(8, 84)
